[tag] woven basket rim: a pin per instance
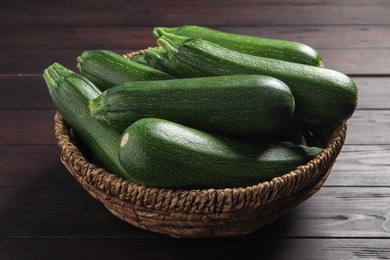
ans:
(92, 177)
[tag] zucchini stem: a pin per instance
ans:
(80, 59)
(160, 31)
(171, 42)
(98, 106)
(54, 74)
(311, 151)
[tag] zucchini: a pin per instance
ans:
(70, 93)
(161, 153)
(322, 96)
(235, 104)
(107, 69)
(263, 47)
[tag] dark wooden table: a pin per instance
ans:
(45, 214)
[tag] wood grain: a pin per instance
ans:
(40, 166)
(343, 212)
(45, 214)
(27, 126)
(358, 62)
(24, 61)
(369, 127)
(361, 165)
(339, 212)
(91, 13)
(109, 37)
(24, 93)
(373, 92)
(170, 248)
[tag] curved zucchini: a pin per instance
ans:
(70, 93)
(235, 104)
(263, 47)
(322, 96)
(160, 153)
(107, 69)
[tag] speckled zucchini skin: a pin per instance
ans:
(322, 96)
(70, 93)
(235, 104)
(263, 47)
(107, 69)
(160, 153)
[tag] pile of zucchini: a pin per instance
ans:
(204, 109)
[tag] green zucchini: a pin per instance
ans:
(322, 96)
(161, 153)
(235, 104)
(70, 93)
(263, 47)
(107, 69)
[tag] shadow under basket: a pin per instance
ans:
(200, 212)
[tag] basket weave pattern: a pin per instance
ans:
(199, 212)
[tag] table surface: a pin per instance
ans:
(45, 213)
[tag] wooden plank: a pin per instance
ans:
(47, 209)
(17, 93)
(373, 92)
(361, 165)
(83, 38)
(58, 212)
(170, 248)
(319, 37)
(125, 14)
(70, 212)
(369, 127)
(33, 166)
(26, 61)
(24, 93)
(342, 212)
(27, 127)
(254, 2)
(355, 62)
(13, 5)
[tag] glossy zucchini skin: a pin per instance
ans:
(70, 94)
(322, 96)
(161, 153)
(107, 69)
(258, 46)
(234, 105)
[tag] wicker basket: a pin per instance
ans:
(199, 213)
